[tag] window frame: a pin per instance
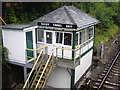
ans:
(46, 38)
(71, 39)
(56, 37)
(38, 37)
(92, 32)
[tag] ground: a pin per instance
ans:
(111, 49)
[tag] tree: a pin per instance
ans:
(10, 16)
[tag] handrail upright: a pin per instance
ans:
(32, 70)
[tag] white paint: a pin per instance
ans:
(34, 42)
(59, 78)
(14, 41)
(85, 63)
(30, 28)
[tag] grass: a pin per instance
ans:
(104, 36)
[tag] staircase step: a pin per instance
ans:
(47, 65)
(44, 73)
(42, 77)
(40, 81)
(45, 69)
(36, 84)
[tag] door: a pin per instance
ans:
(29, 44)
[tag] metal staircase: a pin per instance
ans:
(43, 66)
(40, 71)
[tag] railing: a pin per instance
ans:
(34, 67)
(67, 57)
(3, 20)
(51, 62)
(33, 58)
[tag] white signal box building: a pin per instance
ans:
(62, 39)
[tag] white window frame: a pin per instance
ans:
(92, 31)
(37, 36)
(61, 44)
(71, 39)
(52, 37)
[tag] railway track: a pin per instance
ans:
(109, 79)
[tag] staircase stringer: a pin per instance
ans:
(37, 71)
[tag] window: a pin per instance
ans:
(80, 36)
(86, 34)
(90, 32)
(40, 36)
(49, 37)
(77, 39)
(83, 36)
(59, 37)
(67, 39)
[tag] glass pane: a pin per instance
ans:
(77, 39)
(40, 36)
(49, 37)
(90, 32)
(80, 36)
(59, 37)
(67, 39)
(86, 34)
(83, 36)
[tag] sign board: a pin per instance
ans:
(59, 25)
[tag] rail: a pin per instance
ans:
(3, 20)
(34, 57)
(61, 56)
(37, 48)
(32, 69)
(101, 84)
(47, 62)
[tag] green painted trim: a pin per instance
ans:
(73, 56)
(86, 52)
(29, 43)
(36, 35)
(73, 44)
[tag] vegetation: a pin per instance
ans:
(106, 12)
(4, 54)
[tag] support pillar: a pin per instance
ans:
(25, 73)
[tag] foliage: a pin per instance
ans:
(4, 54)
(106, 35)
(10, 15)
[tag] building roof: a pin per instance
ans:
(16, 26)
(68, 15)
